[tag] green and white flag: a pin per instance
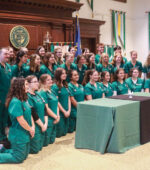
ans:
(90, 2)
(118, 20)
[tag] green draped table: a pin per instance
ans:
(108, 125)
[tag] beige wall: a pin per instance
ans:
(136, 22)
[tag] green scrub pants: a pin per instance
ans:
(37, 141)
(3, 121)
(72, 124)
(17, 154)
(50, 134)
(62, 127)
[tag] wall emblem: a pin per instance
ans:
(19, 37)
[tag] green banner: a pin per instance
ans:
(90, 2)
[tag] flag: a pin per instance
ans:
(52, 47)
(77, 42)
(90, 2)
(118, 20)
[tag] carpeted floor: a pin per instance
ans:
(63, 156)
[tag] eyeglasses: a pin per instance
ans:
(34, 82)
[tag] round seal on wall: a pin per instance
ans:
(19, 37)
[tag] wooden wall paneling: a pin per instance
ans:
(58, 32)
(68, 33)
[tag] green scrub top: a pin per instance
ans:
(128, 66)
(109, 68)
(5, 79)
(147, 84)
(108, 90)
(97, 58)
(51, 72)
(72, 67)
(28, 72)
(18, 72)
(146, 69)
(135, 87)
(38, 104)
(17, 134)
(78, 94)
(120, 88)
(52, 101)
(81, 72)
(96, 92)
(115, 68)
(63, 96)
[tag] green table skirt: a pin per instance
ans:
(108, 125)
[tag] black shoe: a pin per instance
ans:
(6, 143)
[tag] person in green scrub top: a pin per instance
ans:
(105, 66)
(93, 89)
(106, 85)
(51, 106)
(100, 51)
(81, 67)
(117, 62)
(133, 64)
(69, 64)
(5, 78)
(18, 68)
(77, 95)
(147, 85)
(73, 50)
(50, 63)
(91, 62)
(12, 57)
(37, 104)
(22, 129)
(135, 83)
(146, 68)
(117, 49)
(60, 88)
(41, 52)
(35, 67)
(119, 85)
(59, 56)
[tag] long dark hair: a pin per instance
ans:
(33, 66)
(103, 74)
(88, 73)
(58, 81)
(19, 55)
(116, 74)
(17, 90)
(89, 64)
(46, 58)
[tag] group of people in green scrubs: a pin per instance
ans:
(39, 94)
